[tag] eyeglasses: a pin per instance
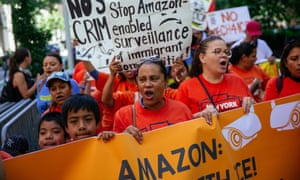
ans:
(218, 52)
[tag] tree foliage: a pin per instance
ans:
(277, 17)
(27, 34)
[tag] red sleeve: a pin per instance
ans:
(122, 119)
(266, 78)
(170, 93)
(271, 91)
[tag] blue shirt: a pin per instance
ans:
(44, 98)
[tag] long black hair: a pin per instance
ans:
(283, 60)
(238, 51)
(14, 62)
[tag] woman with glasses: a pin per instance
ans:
(289, 81)
(243, 64)
(210, 89)
(152, 110)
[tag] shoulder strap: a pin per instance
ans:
(279, 83)
(133, 115)
(207, 93)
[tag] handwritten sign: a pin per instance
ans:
(200, 8)
(230, 24)
(131, 29)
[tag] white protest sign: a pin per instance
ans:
(230, 24)
(131, 29)
(91, 28)
(142, 28)
(200, 8)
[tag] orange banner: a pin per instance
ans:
(263, 144)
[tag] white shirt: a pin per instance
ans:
(263, 51)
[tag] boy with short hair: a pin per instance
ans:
(82, 117)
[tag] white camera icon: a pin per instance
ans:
(242, 131)
(285, 116)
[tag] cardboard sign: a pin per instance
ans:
(230, 24)
(131, 29)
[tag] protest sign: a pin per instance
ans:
(230, 24)
(131, 29)
(263, 144)
(91, 28)
(200, 8)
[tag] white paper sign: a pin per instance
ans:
(230, 24)
(131, 29)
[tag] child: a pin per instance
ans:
(16, 145)
(60, 88)
(82, 116)
(51, 130)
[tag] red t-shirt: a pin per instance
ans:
(249, 75)
(289, 87)
(122, 99)
(226, 95)
(147, 120)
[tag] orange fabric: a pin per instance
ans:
(147, 120)
(119, 85)
(289, 87)
(79, 72)
(97, 96)
(123, 99)
(226, 95)
(52, 109)
(249, 75)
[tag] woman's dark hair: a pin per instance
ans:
(285, 53)
(154, 60)
(238, 51)
(58, 57)
(80, 101)
(14, 62)
(169, 69)
(53, 116)
(196, 66)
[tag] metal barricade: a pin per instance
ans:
(25, 123)
(6, 105)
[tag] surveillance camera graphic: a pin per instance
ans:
(285, 116)
(242, 131)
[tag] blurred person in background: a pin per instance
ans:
(288, 83)
(265, 58)
(243, 64)
(20, 85)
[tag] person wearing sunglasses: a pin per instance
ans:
(288, 83)
(153, 110)
(211, 89)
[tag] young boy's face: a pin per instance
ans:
(51, 134)
(81, 124)
(60, 91)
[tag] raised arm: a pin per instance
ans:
(107, 95)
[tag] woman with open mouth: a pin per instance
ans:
(211, 89)
(153, 110)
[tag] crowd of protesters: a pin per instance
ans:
(153, 96)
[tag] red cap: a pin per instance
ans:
(253, 28)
